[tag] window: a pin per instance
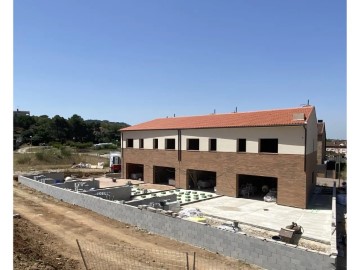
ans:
(130, 143)
(212, 144)
(193, 144)
(268, 146)
(156, 144)
(241, 145)
(141, 143)
(170, 144)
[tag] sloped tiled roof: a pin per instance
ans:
(278, 117)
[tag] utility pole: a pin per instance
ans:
(337, 165)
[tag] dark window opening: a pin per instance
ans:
(170, 144)
(201, 180)
(141, 143)
(268, 145)
(135, 171)
(212, 144)
(257, 187)
(130, 143)
(241, 145)
(155, 143)
(164, 175)
(193, 144)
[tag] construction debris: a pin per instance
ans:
(100, 165)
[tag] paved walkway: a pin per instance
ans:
(316, 222)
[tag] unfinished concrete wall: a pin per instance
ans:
(171, 198)
(260, 251)
(86, 186)
(57, 176)
(114, 193)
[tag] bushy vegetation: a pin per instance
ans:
(75, 131)
(23, 159)
(54, 159)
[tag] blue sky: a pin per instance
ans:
(133, 61)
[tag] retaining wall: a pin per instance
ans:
(266, 253)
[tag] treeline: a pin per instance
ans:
(39, 130)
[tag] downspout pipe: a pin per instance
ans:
(179, 145)
(305, 132)
(122, 154)
(179, 156)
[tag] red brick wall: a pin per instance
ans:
(150, 158)
(293, 181)
(311, 161)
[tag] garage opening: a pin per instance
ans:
(164, 175)
(135, 171)
(257, 187)
(201, 180)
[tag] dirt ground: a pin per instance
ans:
(46, 230)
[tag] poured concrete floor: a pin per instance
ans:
(316, 221)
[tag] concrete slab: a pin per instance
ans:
(108, 182)
(316, 222)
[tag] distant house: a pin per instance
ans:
(17, 113)
(337, 147)
(234, 154)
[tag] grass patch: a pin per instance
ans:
(23, 159)
(65, 152)
(53, 159)
(40, 156)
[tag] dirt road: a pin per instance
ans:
(50, 228)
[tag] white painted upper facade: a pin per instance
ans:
(291, 139)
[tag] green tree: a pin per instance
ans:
(61, 128)
(24, 121)
(43, 131)
(78, 128)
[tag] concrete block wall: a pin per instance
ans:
(87, 184)
(55, 175)
(116, 193)
(171, 198)
(48, 181)
(266, 253)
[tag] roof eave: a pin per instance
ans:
(187, 128)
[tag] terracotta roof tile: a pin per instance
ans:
(278, 117)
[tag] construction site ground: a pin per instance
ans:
(257, 217)
(62, 222)
(46, 230)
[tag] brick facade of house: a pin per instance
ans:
(280, 150)
(288, 169)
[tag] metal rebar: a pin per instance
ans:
(82, 255)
